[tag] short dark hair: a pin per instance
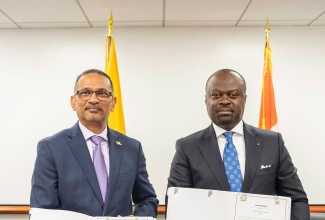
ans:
(92, 71)
(227, 71)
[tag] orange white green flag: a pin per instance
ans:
(268, 117)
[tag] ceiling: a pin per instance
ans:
(20, 14)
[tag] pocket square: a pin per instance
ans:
(266, 166)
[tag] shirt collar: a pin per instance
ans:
(87, 133)
(239, 129)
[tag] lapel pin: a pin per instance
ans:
(258, 144)
(118, 143)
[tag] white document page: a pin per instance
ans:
(193, 204)
(53, 214)
(261, 207)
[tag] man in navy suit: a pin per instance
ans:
(64, 176)
(265, 164)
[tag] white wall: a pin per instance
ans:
(163, 73)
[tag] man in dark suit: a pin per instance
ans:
(264, 164)
(65, 177)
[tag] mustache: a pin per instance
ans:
(93, 107)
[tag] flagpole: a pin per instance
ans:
(267, 30)
(110, 25)
(108, 39)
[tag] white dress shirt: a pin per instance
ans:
(238, 140)
(104, 146)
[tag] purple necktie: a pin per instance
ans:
(99, 164)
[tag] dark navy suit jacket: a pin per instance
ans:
(198, 164)
(64, 177)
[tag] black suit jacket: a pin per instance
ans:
(198, 164)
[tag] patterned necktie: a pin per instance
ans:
(99, 164)
(231, 163)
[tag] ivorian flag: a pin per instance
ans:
(268, 117)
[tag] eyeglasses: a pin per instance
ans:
(101, 95)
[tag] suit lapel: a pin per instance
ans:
(253, 148)
(210, 151)
(115, 145)
(80, 150)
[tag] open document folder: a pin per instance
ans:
(194, 204)
(53, 214)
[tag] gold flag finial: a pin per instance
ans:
(267, 29)
(110, 25)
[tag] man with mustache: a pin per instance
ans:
(231, 155)
(90, 168)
